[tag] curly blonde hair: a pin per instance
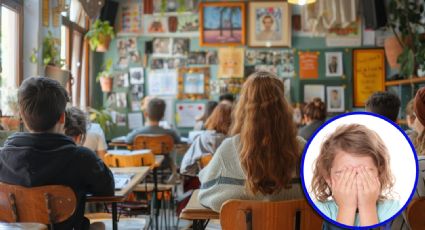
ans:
(357, 140)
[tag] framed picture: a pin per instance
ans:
(181, 46)
(334, 64)
(270, 24)
(161, 46)
(335, 98)
(313, 91)
(193, 83)
(368, 74)
(222, 23)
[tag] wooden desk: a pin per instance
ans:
(120, 195)
(26, 226)
(116, 145)
(197, 213)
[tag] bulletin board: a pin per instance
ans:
(368, 74)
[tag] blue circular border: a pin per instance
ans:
(307, 195)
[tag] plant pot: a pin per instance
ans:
(58, 74)
(104, 43)
(106, 84)
(392, 50)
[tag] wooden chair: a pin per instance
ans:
(247, 214)
(45, 204)
(134, 160)
(205, 159)
(158, 144)
(415, 213)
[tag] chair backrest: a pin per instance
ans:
(45, 204)
(415, 213)
(205, 159)
(247, 214)
(134, 160)
(158, 144)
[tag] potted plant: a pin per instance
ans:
(407, 45)
(105, 77)
(102, 117)
(51, 60)
(100, 35)
(11, 122)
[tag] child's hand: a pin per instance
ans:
(344, 193)
(368, 190)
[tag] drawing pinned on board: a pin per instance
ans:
(181, 46)
(121, 100)
(136, 75)
(121, 80)
(186, 113)
(161, 46)
(231, 62)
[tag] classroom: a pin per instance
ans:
(212, 114)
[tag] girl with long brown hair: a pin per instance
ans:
(260, 160)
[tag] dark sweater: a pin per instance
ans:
(36, 159)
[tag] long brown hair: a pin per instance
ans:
(357, 140)
(269, 150)
(220, 119)
(315, 110)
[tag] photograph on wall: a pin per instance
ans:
(265, 57)
(335, 98)
(120, 119)
(157, 63)
(162, 82)
(231, 62)
(175, 63)
(188, 23)
(181, 46)
(288, 64)
(250, 57)
(313, 91)
(272, 22)
(137, 92)
(334, 64)
(127, 52)
(193, 83)
(121, 100)
(155, 24)
(211, 57)
(136, 75)
(121, 80)
(186, 113)
(222, 23)
(197, 58)
(161, 46)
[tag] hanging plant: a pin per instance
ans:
(100, 35)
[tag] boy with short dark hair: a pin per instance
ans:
(384, 103)
(45, 156)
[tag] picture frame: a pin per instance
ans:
(368, 73)
(212, 28)
(231, 62)
(269, 24)
(193, 83)
(312, 91)
(334, 64)
(335, 98)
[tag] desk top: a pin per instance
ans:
(195, 211)
(140, 174)
(26, 226)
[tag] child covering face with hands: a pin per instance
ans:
(352, 179)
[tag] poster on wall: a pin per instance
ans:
(345, 37)
(335, 99)
(368, 74)
(127, 52)
(130, 20)
(309, 65)
(186, 113)
(313, 91)
(162, 82)
(231, 62)
(135, 120)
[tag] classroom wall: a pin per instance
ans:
(299, 43)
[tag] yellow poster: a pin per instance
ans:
(369, 74)
(231, 62)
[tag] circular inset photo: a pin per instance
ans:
(359, 170)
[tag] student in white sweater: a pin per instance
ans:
(260, 161)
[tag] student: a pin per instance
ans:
(260, 161)
(419, 107)
(75, 124)
(410, 118)
(314, 114)
(226, 98)
(384, 103)
(45, 156)
(154, 112)
(353, 169)
(95, 139)
(217, 126)
(200, 122)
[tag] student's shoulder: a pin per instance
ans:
(84, 153)
(388, 208)
(328, 208)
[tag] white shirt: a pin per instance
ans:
(95, 138)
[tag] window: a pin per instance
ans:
(11, 52)
(74, 50)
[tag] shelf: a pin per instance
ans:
(405, 81)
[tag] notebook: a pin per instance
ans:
(122, 179)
